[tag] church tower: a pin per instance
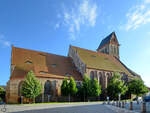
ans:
(110, 45)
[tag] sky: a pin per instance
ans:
(52, 25)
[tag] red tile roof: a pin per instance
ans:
(43, 64)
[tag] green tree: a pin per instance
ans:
(2, 93)
(86, 87)
(116, 86)
(65, 87)
(72, 87)
(95, 88)
(31, 87)
(89, 88)
(137, 87)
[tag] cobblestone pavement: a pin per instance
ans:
(94, 107)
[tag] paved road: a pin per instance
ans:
(64, 108)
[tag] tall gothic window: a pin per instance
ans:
(108, 78)
(114, 50)
(92, 75)
(19, 88)
(101, 79)
(47, 88)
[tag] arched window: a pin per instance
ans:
(19, 88)
(108, 78)
(105, 50)
(47, 88)
(114, 50)
(92, 75)
(101, 79)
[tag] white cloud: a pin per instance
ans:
(138, 15)
(57, 26)
(147, 1)
(83, 13)
(3, 41)
(148, 33)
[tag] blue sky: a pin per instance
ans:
(52, 25)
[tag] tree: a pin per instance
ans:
(31, 87)
(85, 87)
(64, 87)
(2, 93)
(89, 88)
(95, 88)
(137, 87)
(116, 86)
(72, 87)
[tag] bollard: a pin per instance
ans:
(125, 102)
(113, 103)
(119, 104)
(131, 105)
(104, 102)
(107, 102)
(143, 108)
(122, 104)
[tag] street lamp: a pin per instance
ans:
(119, 96)
(119, 99)
(108, 100)
(49, 98)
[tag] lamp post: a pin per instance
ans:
(119, 96)
(119, 99)
(49, 98)
(108, 100)
(21, 99)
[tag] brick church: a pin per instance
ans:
(51, 69)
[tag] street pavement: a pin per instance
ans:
(91, 107)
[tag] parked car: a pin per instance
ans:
(2, 103)
(147, 99)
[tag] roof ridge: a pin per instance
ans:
(38, 51)
(99, 53)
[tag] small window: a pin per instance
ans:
(53, 65)
(28, 62)
(43, 72)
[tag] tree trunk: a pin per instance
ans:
(69, 98)
(33, 100)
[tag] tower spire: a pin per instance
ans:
(110, 45)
